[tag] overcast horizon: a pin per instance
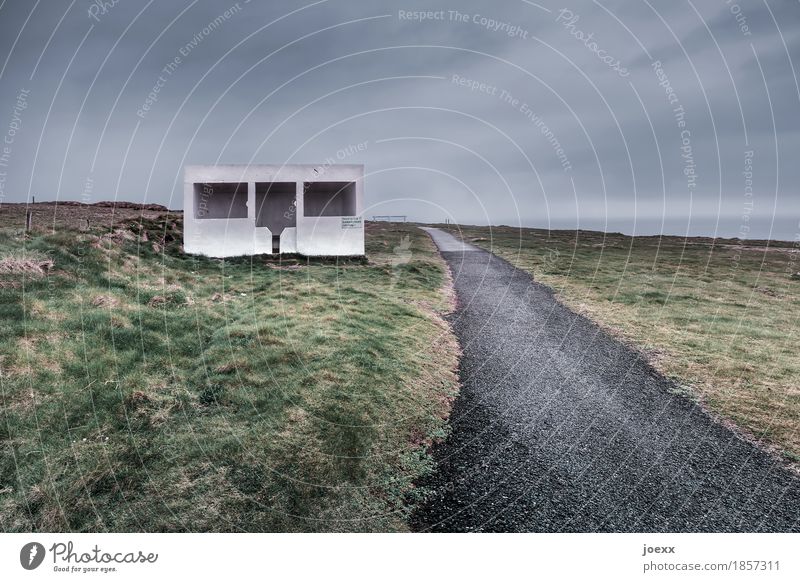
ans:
(615, 115)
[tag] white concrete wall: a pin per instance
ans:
(313, 236)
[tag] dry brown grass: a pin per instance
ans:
(55, 216)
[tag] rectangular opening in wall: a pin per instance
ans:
(276, 205)
(220, 200)
(329, 199)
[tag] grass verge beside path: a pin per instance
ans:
(145, 390)
(720, 317)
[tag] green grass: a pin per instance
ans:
(720, 317)
(152, 391)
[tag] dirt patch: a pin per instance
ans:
(156, 301)
(17, 266)
(117, 237)
(105, 301)
(769, 292)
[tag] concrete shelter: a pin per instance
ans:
(234, 210)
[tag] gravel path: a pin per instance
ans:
(559, 427)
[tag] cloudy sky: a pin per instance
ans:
(633, 116)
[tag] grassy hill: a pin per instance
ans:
(719, 316)
(145, 390)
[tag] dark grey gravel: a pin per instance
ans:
(559, 427)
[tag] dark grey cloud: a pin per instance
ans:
(292, 82)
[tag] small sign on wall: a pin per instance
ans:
(352, 222)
